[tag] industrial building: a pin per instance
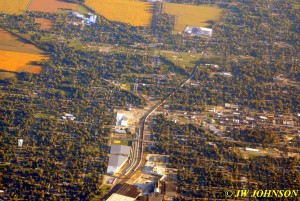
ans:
(91, 19)
(115, 162)
(121, 120)
(118, 157)
(124, 192)
(120, 149)
(191, 30)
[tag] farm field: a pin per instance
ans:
(13, 6)
(51, 6)
(200, 16)
(45, 23)
(135, 13)
(10, 42)
(19, 62)
(18, 56)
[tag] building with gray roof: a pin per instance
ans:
(118, 156)
(115, 162)
(120, 149)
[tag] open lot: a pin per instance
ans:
(135, 13)
(51, 6)
(13, 6)
(199, 16)
(17, 55)
(183, 59)
(45, 23)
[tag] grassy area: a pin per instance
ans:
(7, 75)
(126, 86)
(9, 42)
(121, 142)
(200, 16)
(83, 10)
(75, 44)
(104, 189)
(42, 115)
(136, 13)
(182, 59)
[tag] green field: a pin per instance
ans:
(183, 59)
(199, 16)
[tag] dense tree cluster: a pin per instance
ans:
(209, 165)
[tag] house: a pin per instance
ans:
(68, 116)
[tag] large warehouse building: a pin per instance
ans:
(118, 157)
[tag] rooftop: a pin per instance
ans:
(116, 160)
(117, 197)
(120, 149)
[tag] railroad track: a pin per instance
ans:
(137, 146)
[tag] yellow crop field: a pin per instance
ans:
(19, 61)
(13, 6)
(136, 13)
(199, 16)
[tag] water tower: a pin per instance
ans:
(20, 142)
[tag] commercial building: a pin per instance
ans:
(191, 30)
(121, 120)
(115, 162)
(118, 157)
(120, 150)
(124, 192)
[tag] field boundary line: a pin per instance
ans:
(29, 3)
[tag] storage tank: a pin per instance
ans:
(20, 142)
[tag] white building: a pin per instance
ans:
(250, 149)
(198, 31)
(91, 19)
(122, 132)
(20, 142)
(121, 120)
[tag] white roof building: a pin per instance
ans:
(120, 131)
(198, 31)
(121, 120)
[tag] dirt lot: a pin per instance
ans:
(45, 23)
(51, 6)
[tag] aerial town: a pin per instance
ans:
(150, 100)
